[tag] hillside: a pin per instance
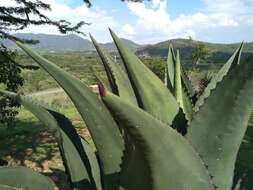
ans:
(73, 43)
(220, 52)
(129, 43)
(65, 43)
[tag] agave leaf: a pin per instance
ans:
(91, 154)
(74, 158)
(75, 168)
(217, 130)
(187, 83)
(104, 130)
(231, 63)
(238, 185)
(120, 78)
(181, 96)
(101, 80)
(104, 58)
(165, 76)
(170, 69)
(178, 83)
(21, 177)
(86, 155)
(152, 94)
(172, 162)
(135, 172)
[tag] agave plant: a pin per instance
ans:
(148, 135)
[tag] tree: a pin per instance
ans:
(200, 51)
(156, 65)
(10, 79)
(12, 19)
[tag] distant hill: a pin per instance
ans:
(128, 43)
(65, 43)
(70, 42)
(220, 52)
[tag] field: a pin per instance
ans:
(79, 64)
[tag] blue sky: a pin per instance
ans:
(175, 7)
(223, 21)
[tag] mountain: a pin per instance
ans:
(70, 42)
(219, 52)
(64, 43)
(127, 42)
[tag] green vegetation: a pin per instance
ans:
(10, 79)
(200, 52)
(81, 67)
(218, 52)
(148, 135)
(156, 65)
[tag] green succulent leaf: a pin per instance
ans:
(181, 96)
(172, 162)
(218, 128)
(231, 63)
(170, 69)
(170, 74)
(72, 151)
(104, 58)
(21, 177)
(187, 84)
(178, 83)
(104, 130)
(101, 80)
(238, 185)
(135, 172)
(91, 154)
(80, 161)
(152, 94)
(118, 75)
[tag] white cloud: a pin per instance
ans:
(155, 24)
(156, 3)
(7, 3)
(219, 20)
(128, 29)
(99, 19)
(230, 7)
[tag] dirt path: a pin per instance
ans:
(47, 92)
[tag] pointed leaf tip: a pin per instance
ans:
(110, 30)
(152, 95)
(116, 75)
(232, 62)
(102, 90)
(217, 130)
